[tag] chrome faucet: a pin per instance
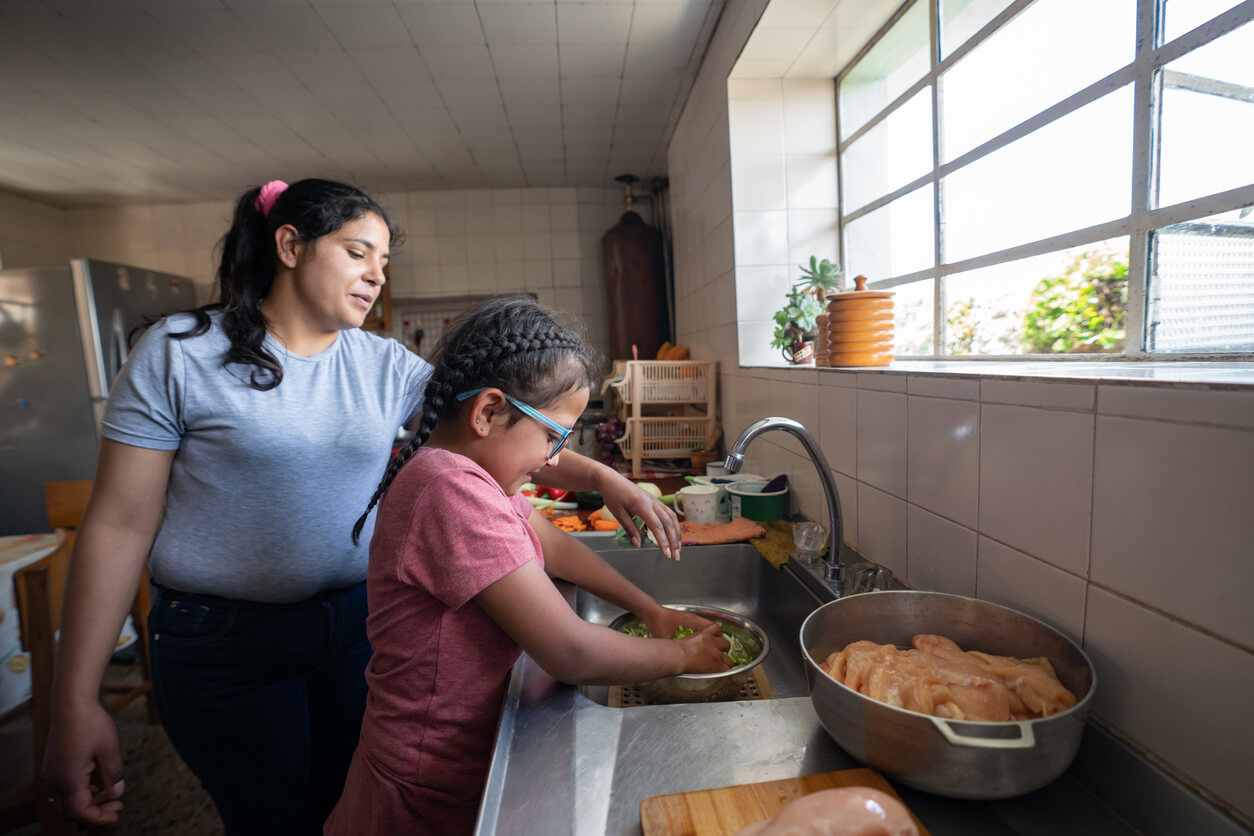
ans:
(835, 571)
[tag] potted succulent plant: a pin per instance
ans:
(795, 327)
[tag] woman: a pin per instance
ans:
(238, 445)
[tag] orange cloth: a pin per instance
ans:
(708, 534)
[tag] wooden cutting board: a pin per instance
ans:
(725, 811)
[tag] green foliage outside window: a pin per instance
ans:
(1083, 309)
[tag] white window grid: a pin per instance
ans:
(1139, 225)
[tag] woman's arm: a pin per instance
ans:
(118, 527)
(528, 607)
(623, 497)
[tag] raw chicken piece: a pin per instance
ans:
(938, 677)
(846, 811)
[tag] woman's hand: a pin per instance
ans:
(82, 766)
(627, 500)
(705, 651)
(664, 621)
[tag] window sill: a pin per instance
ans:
(1182, 374)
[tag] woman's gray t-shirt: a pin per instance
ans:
(265, 486)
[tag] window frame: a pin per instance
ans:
(1138, 226)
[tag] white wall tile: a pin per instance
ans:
(761, 288)
(811, 180)
(882, 382)
(1219, 408)
(758, 183)
(1013, 579)
(809, 115)
(1036, 480)
(882, 529)
(943, 457)
(847, 488)
(938, 386)
(757, 124)
(882, 438)
(1171, 502)
(1032, 393)
(761, 238)
(1181, 693)
(941, 554)
(838, 427)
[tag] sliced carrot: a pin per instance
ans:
(605, 525)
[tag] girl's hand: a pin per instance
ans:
(627, 500)
(663, 621)
(704, 651)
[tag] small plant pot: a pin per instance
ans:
(799, 354)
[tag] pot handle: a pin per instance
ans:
(1025, 740)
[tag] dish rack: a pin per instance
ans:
(665, 381)
(668, 407)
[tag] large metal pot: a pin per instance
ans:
(970, 760)
(702, 687)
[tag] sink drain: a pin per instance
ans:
(756, 687)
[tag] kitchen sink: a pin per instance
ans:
(734, 577)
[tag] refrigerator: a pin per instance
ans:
(63, 338)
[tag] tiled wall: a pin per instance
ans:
(32, 234)
(459, 243)
(1121, 514)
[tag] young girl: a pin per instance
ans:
(457, 579)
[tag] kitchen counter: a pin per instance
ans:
(566, 764)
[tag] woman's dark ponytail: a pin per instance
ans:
(248, 263)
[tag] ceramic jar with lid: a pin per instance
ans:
(860, 327)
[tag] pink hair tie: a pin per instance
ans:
(269, 194)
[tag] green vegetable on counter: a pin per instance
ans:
(744, 647)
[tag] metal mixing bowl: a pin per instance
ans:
(702, 687)
(971, 760)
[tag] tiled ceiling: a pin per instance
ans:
(124, 101)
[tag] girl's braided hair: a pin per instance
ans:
(512, 343)
(249, 263)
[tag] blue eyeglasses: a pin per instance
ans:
(531, 412)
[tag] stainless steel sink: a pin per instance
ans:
(735, 577)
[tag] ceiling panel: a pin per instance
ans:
(144, 100)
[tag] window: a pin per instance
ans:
(1037, 177)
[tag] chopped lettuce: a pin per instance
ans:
(744, 647)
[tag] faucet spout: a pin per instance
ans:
(835, 570)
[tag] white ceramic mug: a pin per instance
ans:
(723, 514)
(698, 503)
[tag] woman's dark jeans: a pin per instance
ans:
(263, 701)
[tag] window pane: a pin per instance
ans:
(1068, 302)
(898, 60)
(912, 318)
(1180, 16)
(960, 19)
(1070, 174)
(893, 240)
(890, 155)
(1207, 119)
(1019, 72)
(1202, 285)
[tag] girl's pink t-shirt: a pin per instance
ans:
(445, 532)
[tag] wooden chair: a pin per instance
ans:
(40, 588)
